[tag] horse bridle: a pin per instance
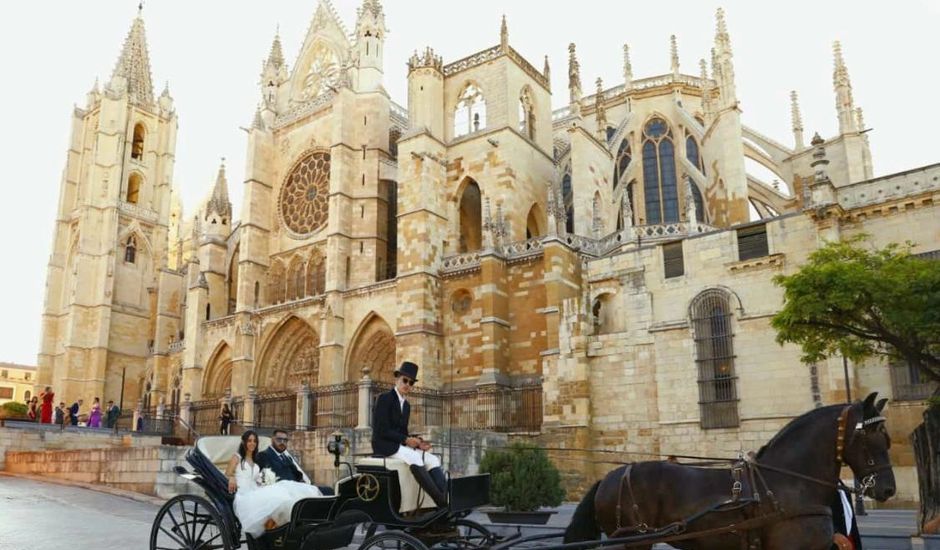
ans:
(868, 474)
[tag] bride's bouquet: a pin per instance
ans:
(266, 477)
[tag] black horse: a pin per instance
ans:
(778, 499)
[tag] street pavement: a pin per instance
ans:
(38, 515)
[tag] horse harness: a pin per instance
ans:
(745, 472)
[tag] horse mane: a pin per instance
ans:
(797, 423)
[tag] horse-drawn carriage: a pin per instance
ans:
(778, 498)
(377, 492)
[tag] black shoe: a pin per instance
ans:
(429, 486)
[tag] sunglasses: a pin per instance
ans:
(408, 381)
(282, 439)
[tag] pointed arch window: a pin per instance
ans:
(133, 188)
(130, 250)
(699, 204)
(693, 154)
(713, 335)
(567, 197)
(470, 115)
(527, 114)
(624, 156)
(137, 144)
(659, 173)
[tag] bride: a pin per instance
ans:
(259, 506)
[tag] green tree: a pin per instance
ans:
(859, 301)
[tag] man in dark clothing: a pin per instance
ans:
(280, 461)
(73, 412)
(390, 436)
(843, 522)
(113, 413)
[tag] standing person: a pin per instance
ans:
(47, 399)
(94, 418)
(844, 526)
(32, 409)
(114, 412)
(390, 436)
(225, 419)
(73, 412)
(60, 414)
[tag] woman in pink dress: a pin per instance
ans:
(94, 419)
(45, 415)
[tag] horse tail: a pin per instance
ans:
(583, 524)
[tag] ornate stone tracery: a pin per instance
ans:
(375, 349)
(324, 72)
(303, 201)
(291, 357)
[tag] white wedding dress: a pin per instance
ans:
(255, 504)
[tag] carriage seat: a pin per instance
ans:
(219, 449)
(412, 497)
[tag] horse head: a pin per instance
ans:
(866, 447)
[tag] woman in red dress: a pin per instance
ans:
(46, 415)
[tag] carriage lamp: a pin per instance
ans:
(337, 447)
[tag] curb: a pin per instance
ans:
(113, 491)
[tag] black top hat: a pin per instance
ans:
(408, 369)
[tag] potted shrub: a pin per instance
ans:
(522, 480)
(13, 411)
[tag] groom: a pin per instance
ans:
(280, 461)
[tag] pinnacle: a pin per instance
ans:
(219, 202)
(276, 55)
(134, 64)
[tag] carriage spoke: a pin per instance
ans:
(172, 536)
(176, 527)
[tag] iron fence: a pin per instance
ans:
(276, 410)
(204, 416)
(909, 384)
(334, 407)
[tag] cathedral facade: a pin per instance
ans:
(615, 254)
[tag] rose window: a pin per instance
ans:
(303, 199)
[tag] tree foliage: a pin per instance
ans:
(522, 478)
(859, 301)
(13, 409)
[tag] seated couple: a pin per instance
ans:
(261, 503)
(390, 436)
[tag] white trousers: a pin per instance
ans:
(417, 457)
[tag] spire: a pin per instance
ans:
(574, 78)
(600, 111)
(706, 90)
(674, 56)
(504, 35)
(258, 122)
(797, 120)
(627, 68)
(276, 55)
(134, 64)
(722, 66)
(845, 104)
(218, 201)
(547, 71)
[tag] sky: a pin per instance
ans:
(210, 52)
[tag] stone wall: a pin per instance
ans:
(135, 463)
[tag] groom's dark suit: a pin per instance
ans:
(282, 465)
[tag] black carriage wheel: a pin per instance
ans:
(468, 535)
(393, 540)
(188, 522)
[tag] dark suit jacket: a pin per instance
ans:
(283, 469)
(838, 520)
(389, 424)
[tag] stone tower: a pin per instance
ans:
(110, 239)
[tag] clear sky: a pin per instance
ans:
(211, 52)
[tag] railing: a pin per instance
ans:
(177, 346)
(909, 384)
(276, 410)
(334, 407)
(460, 262)
(889, 187)
(521, 249)
(204, 416)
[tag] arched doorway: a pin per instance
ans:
(290, 357)
(373, 348)
(218, 377)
